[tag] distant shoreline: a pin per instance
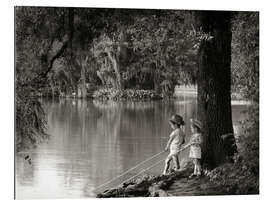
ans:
(180, 91)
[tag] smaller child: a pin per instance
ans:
(195, 146)
(175, 142)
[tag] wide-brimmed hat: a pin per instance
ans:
(177, 119)
(196, 123)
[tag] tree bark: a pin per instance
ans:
(156, 78)
(82, 86)
(214, 88)
(116, 66)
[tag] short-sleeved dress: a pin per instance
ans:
(177, 141)
(195, 149)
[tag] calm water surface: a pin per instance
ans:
(92, 142)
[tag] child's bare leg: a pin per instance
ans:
(198, 167)
(176, 162)
(195, 168)
(167, 165)
(195, 161)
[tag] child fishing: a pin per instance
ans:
(195, 146)
(175, 141)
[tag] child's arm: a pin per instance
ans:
(172, 135)
(184, 138)
(188, 144)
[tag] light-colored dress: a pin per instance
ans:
(178, 139)
(195, 149)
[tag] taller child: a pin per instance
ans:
(177, 138)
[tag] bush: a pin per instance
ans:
(249, 140)
(128, 94)
(242, 176)
(30, 120)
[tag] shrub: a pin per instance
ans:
(242, 176)
(30, 120)
(128, 94)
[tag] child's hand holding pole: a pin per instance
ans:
(184, 147)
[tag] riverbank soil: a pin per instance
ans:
(195, 186)
(146, 185)
(228, 179)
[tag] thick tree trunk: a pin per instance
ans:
(214, 88)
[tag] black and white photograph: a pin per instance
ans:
(135, 102)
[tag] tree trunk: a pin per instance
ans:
(83, 78)
(116, 66)
(156, 78)
(49, 58)
(214, 88)
(83, 83)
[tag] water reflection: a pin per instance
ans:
(93, 142)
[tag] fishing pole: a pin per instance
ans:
(183, 148)
(141, 171)
(129, 170)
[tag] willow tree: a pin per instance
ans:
(42, 36)
(214, 87)
(112, 47)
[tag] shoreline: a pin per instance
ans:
(178, 183)
(234, 102)
(145, 186)
(108, 94)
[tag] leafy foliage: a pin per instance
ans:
(156, 51)
(30, 120)
(245, 54)
(165, 46)
(128, 94)
(246, 44)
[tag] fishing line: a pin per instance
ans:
(129, 170)
(144, 170)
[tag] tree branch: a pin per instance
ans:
(56, 56)
(65, 43)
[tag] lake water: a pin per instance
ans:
(93, 142)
